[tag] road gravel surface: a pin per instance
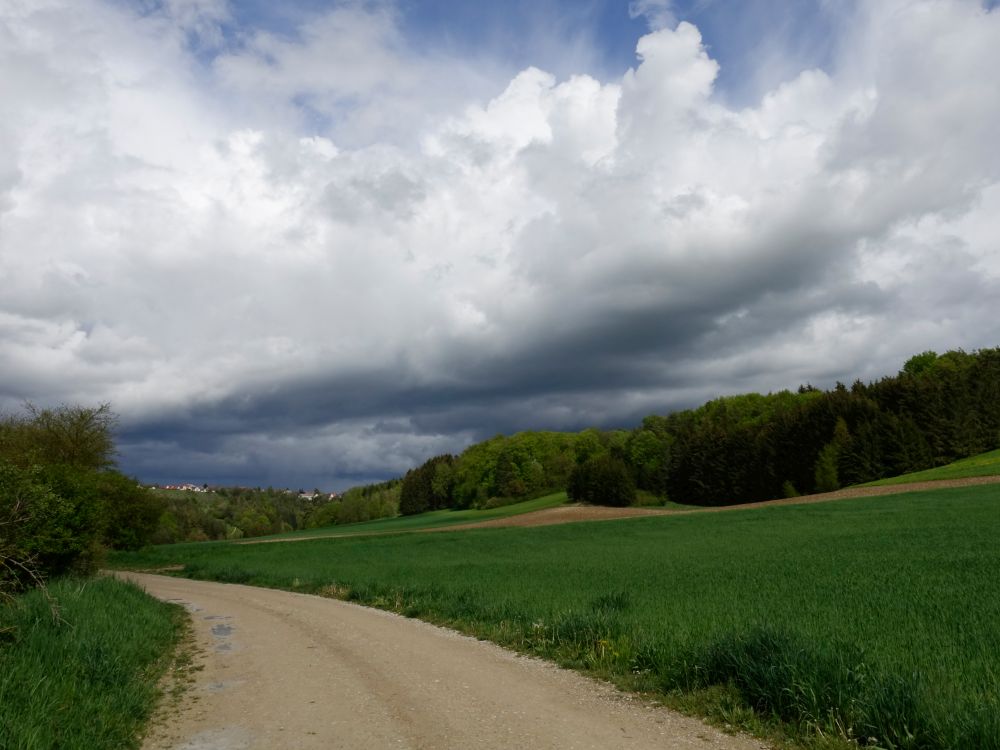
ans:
(276, 669)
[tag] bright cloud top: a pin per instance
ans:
(337, 254)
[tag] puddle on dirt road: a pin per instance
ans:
(221, 687)
(221, 632)
(228, 738)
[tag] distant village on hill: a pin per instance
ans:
(189, 487)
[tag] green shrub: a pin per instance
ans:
(788, 489)
(130, 512)
(45, 532)
(60, 502)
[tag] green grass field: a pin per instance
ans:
(986, 464)
(870, 619)
(432, 520)
(983, 465)
(88, 679)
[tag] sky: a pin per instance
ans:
(314, 243)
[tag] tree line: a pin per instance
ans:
(230, 513)
(739, 449)
(358, 504)
(744, 448)
(241, 512)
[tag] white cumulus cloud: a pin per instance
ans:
(302, 236)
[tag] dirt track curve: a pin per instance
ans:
(283, 670)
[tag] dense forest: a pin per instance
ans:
(745, 448)
(739, 449)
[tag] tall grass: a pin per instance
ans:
(85, 678)
(874, 620)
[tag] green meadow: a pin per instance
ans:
(79, 668)
(983, 465)
(872, 620)
(431, 520)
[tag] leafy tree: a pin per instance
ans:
(920, 363)
(61, 502)
(68, 435)
(425, 489)
(443, 482)
(131, 512)
(417, 493)
(602, 480)
(588, 444)
(359, 504)
(826, 469)
(827, 479)
(327, 514)
(254, 522)
(26, 506)
(69, 533)
(507, 475)
(648, 453)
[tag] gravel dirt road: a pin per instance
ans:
(283, 670)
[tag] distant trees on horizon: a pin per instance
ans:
(740, 449)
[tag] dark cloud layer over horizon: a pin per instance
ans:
(318, 254)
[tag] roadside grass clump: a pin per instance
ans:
(866, 622)
(82, 673)
(815, 686)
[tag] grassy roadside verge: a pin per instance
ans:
(871, 620)
(87, 679)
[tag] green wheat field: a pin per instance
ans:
(872, 619)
